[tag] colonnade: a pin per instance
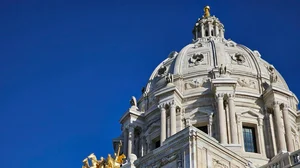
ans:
(283, 130)
(212, 30)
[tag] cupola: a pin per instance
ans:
(208, 25)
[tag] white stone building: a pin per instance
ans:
(215, 103)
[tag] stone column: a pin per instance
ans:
(233, 127)
(222, 32)
(239, 129)
(261, 135)
(173, 118)
(148, 142)
(287, 126)
(280, 136)
(209, 28)
(142, 145)
(222, 119)
(217, 30)
(179, 119)
(273, 138)
(196, 32)
(202, 30)
(130, 139)
(125, 136)
(210, 122)
(163, 130)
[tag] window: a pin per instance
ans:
(249, 139)
(203, 128)
(206, 33)
(212, 32)
(157, 144)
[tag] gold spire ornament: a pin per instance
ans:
(206, 11)
(110, 162)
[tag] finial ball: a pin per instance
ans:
(207, 7)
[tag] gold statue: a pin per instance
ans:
(85, 163)
(102, 163)
(206, 11)
(94, 160)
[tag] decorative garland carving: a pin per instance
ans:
(195, 83)
(247, 83)
(196, 59)
(238, 58)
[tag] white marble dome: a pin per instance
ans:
(204, 56)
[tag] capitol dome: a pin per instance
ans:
(208, 51)
(216, 98)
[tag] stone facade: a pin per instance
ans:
(215, 103)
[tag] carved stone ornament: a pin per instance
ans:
(219, 164)
(169, 78)
(195, 83)
(173, 54)
(238, 58)
(246, 83)
(230, 43)
(162, 71)
(197, 45)
(196, 59)
(256, 53)
(273, 76)
(133, 101)
(222, 70)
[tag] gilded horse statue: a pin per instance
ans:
(110, 162)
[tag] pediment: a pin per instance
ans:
(251, 114)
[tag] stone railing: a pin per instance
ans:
(295, 158)
(285, 160)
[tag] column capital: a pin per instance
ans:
(276, 103)
(172, 104)
(285, 106)
(231, 96)
(220, 95)
(162, 106)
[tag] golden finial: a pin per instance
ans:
(206, 11)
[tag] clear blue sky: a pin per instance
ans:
(68, 68)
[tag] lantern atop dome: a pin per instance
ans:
(208, 26)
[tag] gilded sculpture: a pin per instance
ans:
(206, 11)
(110, 162)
